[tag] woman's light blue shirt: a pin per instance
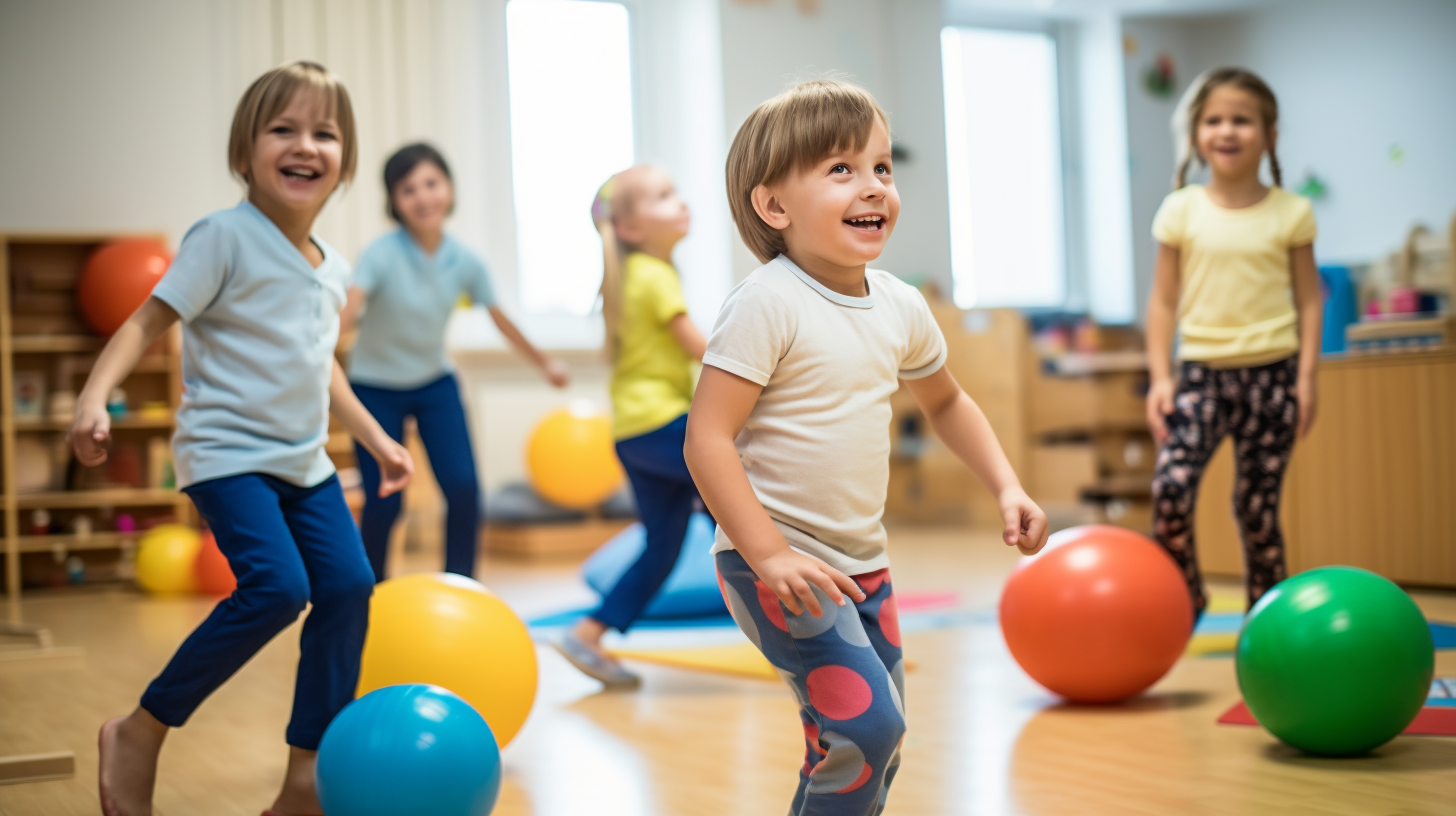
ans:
(259, 326)
(411, 294)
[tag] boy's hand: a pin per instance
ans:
(90, 432)
(1160, 403)
(1026, 524)
(792, 575)
(395, 467)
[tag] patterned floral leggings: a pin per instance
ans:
(848, 676)
(1258, 406)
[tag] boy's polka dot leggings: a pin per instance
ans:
(848, 674)
(1258, 406)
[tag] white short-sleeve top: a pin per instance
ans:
(816, 446)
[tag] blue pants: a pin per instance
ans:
(666, 498)
(440, 418)
(288, 546)
(848, 676)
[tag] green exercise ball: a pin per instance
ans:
(1335, 661)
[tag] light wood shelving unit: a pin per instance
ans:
(42, 336)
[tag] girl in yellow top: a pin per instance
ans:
(653, 345)
(1236, 273)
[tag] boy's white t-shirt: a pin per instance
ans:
(816, 446)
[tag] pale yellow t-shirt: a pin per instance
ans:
(1236, 307)
(652, 381)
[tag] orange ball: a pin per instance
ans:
(214, 575)
(571, 458)
(117, 280)
(1098, 616)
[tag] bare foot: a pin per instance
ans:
(127, 765)
(299, 797)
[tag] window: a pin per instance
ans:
(1003, 156)
(571, 128)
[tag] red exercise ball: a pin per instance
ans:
(1098, 616)
(117, 279)
(214, 576)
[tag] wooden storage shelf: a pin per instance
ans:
(110, 497)
(117, 424)
(58, 343)
(94, 541)
(40, 327)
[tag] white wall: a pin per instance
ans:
(892, 49)
(111, 120)
(1352, 78)
(1196, 45)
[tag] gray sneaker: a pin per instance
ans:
(612, 674)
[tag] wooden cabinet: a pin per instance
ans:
(46, 350)
(1374, 484)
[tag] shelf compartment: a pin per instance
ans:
(94, 541)
(28, 423)
(110, 497)
(60, 343)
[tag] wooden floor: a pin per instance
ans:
(983, 739)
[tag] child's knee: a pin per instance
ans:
(874, 735)
(279, 597)
(351, 585)
(855, 751)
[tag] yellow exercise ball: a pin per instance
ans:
(451, 631)
(571, 458)
(165, 560)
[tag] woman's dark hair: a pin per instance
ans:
(402, 163)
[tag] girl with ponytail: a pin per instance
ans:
(1236, 277)
(654, 348)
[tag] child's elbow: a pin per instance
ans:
(693, 445)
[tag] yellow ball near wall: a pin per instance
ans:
(571, 458)
(451, 631)
(165, 560)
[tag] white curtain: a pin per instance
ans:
(416, 70)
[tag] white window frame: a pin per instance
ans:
(964, 280)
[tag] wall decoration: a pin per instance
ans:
(1312, 186)
(1160, 78)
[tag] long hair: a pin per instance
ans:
(612, 255)
(1190, 110)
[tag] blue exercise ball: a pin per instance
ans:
(411, 748)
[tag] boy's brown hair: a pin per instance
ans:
(791, 132)
(271, 93)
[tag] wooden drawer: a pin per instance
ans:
(1059, 472)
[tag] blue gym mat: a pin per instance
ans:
(1444, 634)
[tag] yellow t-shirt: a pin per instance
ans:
(1236, 307)
(652, 382)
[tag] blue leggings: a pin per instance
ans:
(288, 546)
(848, 676)
(440, 418)
(666, 497)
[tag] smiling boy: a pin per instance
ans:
(788, 435)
